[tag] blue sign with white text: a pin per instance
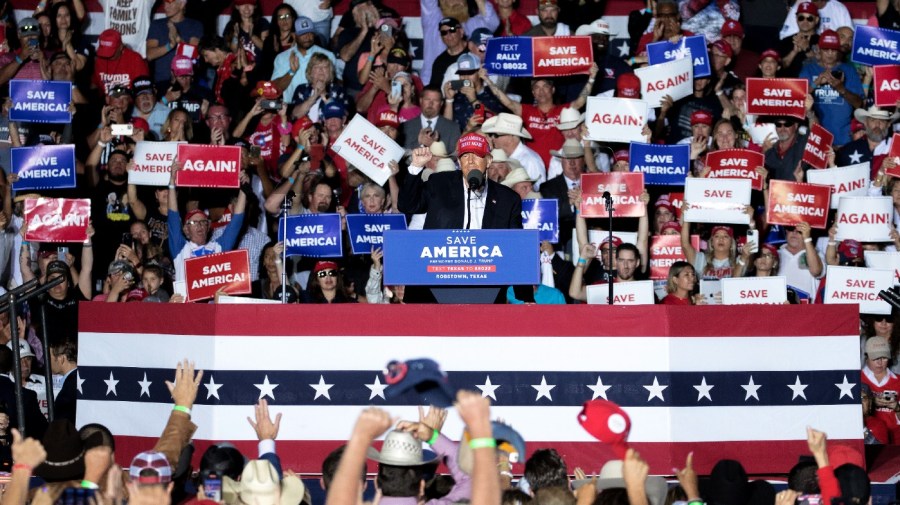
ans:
(461, 257)
(693, 47)
(512, 56)
(313, 235)
(40, 101)
(542, 215)
(366, 230)
(875, 46)
(662, 165)
(43, 167)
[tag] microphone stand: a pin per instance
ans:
(609, 267)
(285, 207)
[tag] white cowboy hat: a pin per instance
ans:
(569, 118)
(401, 449)
(506, 124)
(516, 176)
(499, 156)
(571, 148)
(875, 113)
(439, 149)
(598, 27)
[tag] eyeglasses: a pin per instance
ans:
(326, 273)
(448, 31)
(217, 117)
(806, 18)
(198, 223)
(285, 16)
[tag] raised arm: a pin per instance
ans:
(87, 264)
(513, 106)
(345, 487)
(689, 252)
(475, 411)
(586, 92)
(643, 237)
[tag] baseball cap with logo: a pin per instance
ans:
(701, 117)
(807, 8)
(878, 347)
(829, 39)
(851, 250)
(150, 467)
(108, 43)
(398, 56)
(142, 85)
(473, 143)
(616, 241)
(717, 229)
(181, 66)
(547, 3)
(449, 22)
(480, 37)
(118, 90)
(334, 109)
(732, 27)
(621, 155)
(266, 89)
(770, 53)
(606, 422)
(467, 63)
(628, 86)
(303, 25)
(387, 117)
(723, 47)
(24, 349)
(598, 27)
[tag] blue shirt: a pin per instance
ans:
(833, 110)
(545, 295)
(159, 31)
(283, 66)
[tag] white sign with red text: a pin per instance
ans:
(716, 200)
(674, 78)
(624, 293)
(864, 218)
(367, 148)
(754, 290)
(152, 163)
(858, 285)
(884, 260)
(852, 180)
(616, 119)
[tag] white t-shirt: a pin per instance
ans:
(831, 17)
(131, 19)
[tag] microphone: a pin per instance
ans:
(607, 196)
(475, 179)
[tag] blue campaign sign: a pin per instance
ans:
(367, 230)
(875, 46)
(542, 215)
(44, 167)
(512, 56)
(313, 235)
(662, 165)
(695, 46)
(40, 101)
(461, 257)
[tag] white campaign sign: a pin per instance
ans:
(624, 293)
(153, 163)
(760, 131)
(754, 290)
(858, 285)
(716, 200)
(864, 218)
(674, 78)
(597, 236)
(884, 260)
(616, 119)
(367, 148)
(852, 180)
(245, 300)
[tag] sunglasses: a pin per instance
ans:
(27, 28)
(448, 31)
(285, 16)
(882, 319)
(198, 223)
(806, 18)
(326, 273)
(783, 124)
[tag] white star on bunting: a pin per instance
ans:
(111, 384)
(655, 389)
(321, 388)
(798, 389)
(846, 388)
(488, 390)
(212, 389)
(751, 389)
(599, 389)
(266, 388)
(376, 388)
(703, 390)
(145, 386)
(543, 389)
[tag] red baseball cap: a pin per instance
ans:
(671, 225)
(724, 47)
(608, 423)
(829, 39)
(473, 143)
(770, 53)
(701, 117)
(387, 117)
(325, 265)
(621, 155)
(300, 125)
(628, 86)
(141, 123)
(732, 27)
(182, 65)
(266, 89)
(726, 229)
(616, 241)
(195, 212)
(807, 8)
(856, 126)
(108, 43)
(771, 248)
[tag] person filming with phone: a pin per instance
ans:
(835, 86)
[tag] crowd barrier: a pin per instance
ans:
(725, 382)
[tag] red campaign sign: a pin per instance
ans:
(793, 202)
(57, 219)
(677, 199)
(208, 274)
(625, 188)
(209, 166)
(736, 164)
(894, 153)
(665, 250)
(887, 85)
(817, 144)
(559, 56)
(777, 97)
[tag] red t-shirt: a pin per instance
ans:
(888, 417)
(671, 299)
(517, 24)
(542, 127)
(268, 139)
(108, 73)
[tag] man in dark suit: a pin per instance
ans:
(451, 201)
(564, 187)
(35, 422)
(64, 361)
(430, 125)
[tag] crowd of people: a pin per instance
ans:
(282, 84)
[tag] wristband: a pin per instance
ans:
(582, 261)
(740, 261)
(482, 443)
(168, 46)
(284, 128)
(299, 147)
(86, 484)
(26, 243)
(171, 186)
(22, 466)
(696, 502)
(181, 408)
(832, 242)
(370, 58)
(720, 93)
(164, 101)
(808, 240)
(434, 437)
(101, 143)
(19, 59)
(292, 180)
(87, 245)
(292, 72)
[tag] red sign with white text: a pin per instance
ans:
(625, 189)
(736, 164)
(209, 166)
(665, 250)
(229, 271)
(557, 56)
(777, 97)
(793, 202)
(57, 219)
(887, 85)
(817, 144)
(894, 153)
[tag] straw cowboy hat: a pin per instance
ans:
(569, 118)
(506, 124)
(571, 148)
